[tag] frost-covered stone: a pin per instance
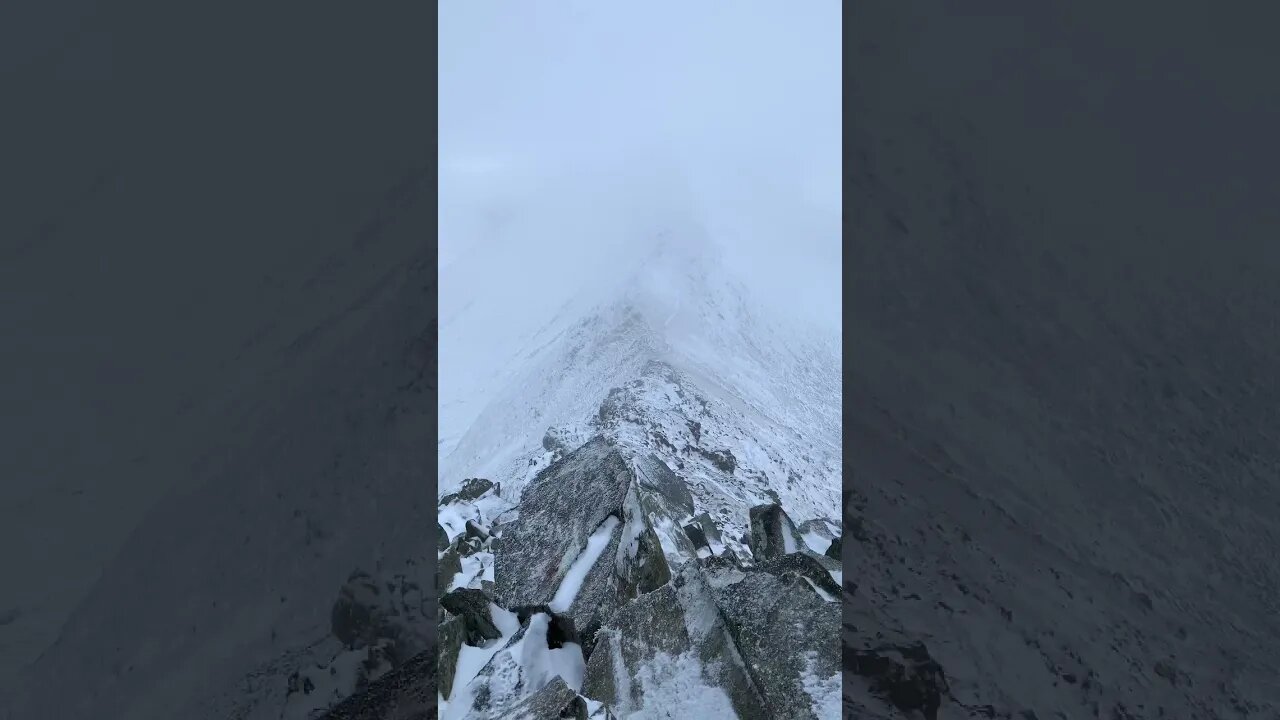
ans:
(788, 637)
(475, 531)
(704, 522)
(669, 652)
(805, 565)
(535, 656)
(665, 488)
(556, 701)
(640, 563)
(472, 489)
(772, 532)
(558, 512)
(834, 549)
(452, 634)
(697, 537)
(450, 564)
(600, 592)
(472, 607)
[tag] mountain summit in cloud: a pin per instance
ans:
(649, 507)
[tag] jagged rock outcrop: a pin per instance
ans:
(834, 549)
(671, 638)
(472, 607)
(535, 657)
(815, 569)
(556, 701)
(753, 645)
(452, 635)
(699, 538)
(558, 512)
(710, 531)
(634, 525)
(787, 635)
(472, 489)
(651, 624)
(772, 533)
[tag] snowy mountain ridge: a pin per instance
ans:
(746, 375)
(644, 522)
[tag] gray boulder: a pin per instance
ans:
(772, 533)
(641, 564)
(556, 701)
(450, 565)
(697, 536)
(453, 632)
(559, 510)
(807, 565)
(474, 530)
(565, 505)
(833, 551)
(655, 507)
(472, 489)
(600, 594)
(671, 644)
(710, 530)
(788, 638)
(472, 607)
(664, 486)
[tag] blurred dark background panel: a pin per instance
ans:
(1062, 298)
(217, 400)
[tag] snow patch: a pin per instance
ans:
(475, 567)
(572, 583)
(673, 687)
(824, 693)
(542, 664)
(788, 540)
(821, 593)
(472, 659)
(817, 542)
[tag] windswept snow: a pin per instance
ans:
(824, 692)
(674, 687)
(542, 664)
(572, 582)
(472, 659)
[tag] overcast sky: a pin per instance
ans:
(569, 130)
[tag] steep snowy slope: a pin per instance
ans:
(767, 392)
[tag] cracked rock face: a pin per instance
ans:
(772, 533)
(640, 654)
(659, 624)
(558, 512)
